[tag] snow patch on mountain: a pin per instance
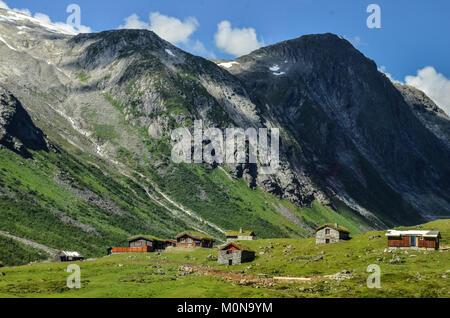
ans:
(170, 52)
(6, 43)
(228, 64)
(274, 68)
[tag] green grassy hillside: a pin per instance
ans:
(15, 253)
(177, 273)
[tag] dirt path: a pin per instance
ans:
(51, 251)
(250, 279)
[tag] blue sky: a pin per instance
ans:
(414, 33)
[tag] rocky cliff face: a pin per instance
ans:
(350, 139)
(17, 131)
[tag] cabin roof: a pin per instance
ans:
(239, 246)
(70, 254)
(239, 233)
(396, 233)
(145, 237)
(196, 235)
(334, 226)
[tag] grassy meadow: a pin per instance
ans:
(194, 273)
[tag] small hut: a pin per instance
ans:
(331, 233)
(413, 239)
(240, 235)
(194, 239)
(66, 256)
(234, 253)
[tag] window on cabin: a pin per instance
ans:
(182, 240)
(327, 231)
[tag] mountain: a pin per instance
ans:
(355, 149)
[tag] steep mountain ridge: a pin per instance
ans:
(321, 83)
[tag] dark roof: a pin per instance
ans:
(238, 233)
(171, 241)
(334, 226)
(196, 235)
(239, 246)
(145, 237)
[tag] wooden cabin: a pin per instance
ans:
(240, 235)
(194, 239)
(171, 243)
(66, 256)
(413, 239)
(153, 242)
(140, 244)
(331, 233)
(234, 253)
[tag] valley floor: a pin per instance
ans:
(283, 268)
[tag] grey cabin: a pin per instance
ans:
(240, 235)
(233, 253)
(331, 233)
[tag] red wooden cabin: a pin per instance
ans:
(413, 239)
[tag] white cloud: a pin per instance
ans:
(169, 28)
(236, 41)
(133, 22)
(434, 84)
(3, 5)
(45, 21)
(172, 29)
(197, 47)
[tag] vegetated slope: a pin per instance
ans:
(335, 270)
(108, 102)
(14, 253)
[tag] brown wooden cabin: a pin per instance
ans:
(140, 244)
(171, 243)
(151, 242)
(66, 256)
(194, 239)
(413, 239)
